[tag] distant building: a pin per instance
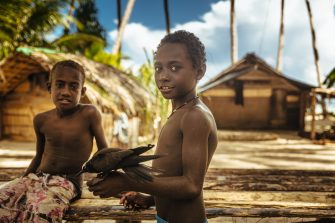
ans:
(251, 94)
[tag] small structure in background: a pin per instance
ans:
(321, 124)
(24, 93)
(250, 94)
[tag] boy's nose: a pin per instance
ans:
(65, 91)
(164, 75)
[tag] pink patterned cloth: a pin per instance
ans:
(36, 198)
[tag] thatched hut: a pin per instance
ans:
(250, 94)
(23, 93)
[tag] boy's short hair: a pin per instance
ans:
(195, 48)
(68, 63)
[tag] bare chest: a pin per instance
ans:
(58, 132)
(170, 145)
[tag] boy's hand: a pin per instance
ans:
(135, 201)
(110, 186)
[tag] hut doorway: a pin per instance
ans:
(278, 108)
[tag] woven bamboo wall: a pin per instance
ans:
(18, 111)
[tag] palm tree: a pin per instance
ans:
(315, 50)
(167, 16)
(281, 38)
(330, 79)
(25, 22)
(233, 35)
(71, 7)
(119, 14)
(89, 31)
(124, 22)
(316, 56)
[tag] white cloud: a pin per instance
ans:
(258, 29)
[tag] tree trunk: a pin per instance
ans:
(316, 55)
(281, 38)
(119, 14)
(233, 35)
(124, 22)
(167, 16)
(119, 21)
(315, 50)
(67, 29)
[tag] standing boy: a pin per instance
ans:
(64, 142)
(189, 137)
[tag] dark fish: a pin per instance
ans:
(111, 159)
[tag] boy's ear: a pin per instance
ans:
(49, 86)
(83, 91)
(201, 72)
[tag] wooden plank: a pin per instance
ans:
(102, 210)
(119, 213)
(223, 172)
(229, 192)
(263, 186)
(246, 180)
(258, 198)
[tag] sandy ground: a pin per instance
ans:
(236, 149)
(284, 150)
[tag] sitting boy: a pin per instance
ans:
(64, 142)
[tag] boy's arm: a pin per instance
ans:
(96, 127)
(195, 128)
(40, 143)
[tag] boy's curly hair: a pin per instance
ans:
(195, 48)
(71, 64)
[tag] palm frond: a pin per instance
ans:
(330, 79)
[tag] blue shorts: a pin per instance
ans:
(160, 220)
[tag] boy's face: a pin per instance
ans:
(66, 88)
(175, 75)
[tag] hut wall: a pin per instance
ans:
(262, 108)
(19, 108)
(254, 113)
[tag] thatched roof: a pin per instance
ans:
(107, 87)
(250, 62)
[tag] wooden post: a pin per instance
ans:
(313, 104)
(302, 112)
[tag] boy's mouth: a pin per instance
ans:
(165, 88)
(64, 101)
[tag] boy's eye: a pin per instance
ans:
(59, 84)
(174, 68)
(157, 69)
(74, 87)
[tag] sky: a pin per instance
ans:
(257, 29)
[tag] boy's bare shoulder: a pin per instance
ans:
(41, 117)
(44, 115)
(199, 115)
(89, 108)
